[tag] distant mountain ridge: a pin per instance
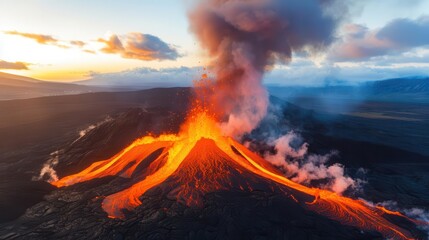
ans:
(400, 85)
(4, 77)
(144, 78)
(408, 89)
(19, 87)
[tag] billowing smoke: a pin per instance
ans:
(247, 37)
(302, 167)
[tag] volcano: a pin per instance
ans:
(200, 160)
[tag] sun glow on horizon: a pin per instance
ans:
(87, 22)
(53, 63)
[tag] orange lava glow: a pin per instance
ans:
(201, 155)
(385, 210)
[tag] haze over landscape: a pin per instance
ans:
(214, 119)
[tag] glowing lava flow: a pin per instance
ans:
(204, 153)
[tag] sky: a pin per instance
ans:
(72, 40)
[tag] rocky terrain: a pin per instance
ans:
(37, 210)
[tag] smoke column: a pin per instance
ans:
(245, 38)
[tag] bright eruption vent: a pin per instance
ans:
(199, 159)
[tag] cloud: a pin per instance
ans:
(13, 65)
(140, 46)
(89, 51)
(78, 43)
(406, 33)
(40, 38)
(45, 39)
(306, 73)
(146, 77)
(299, 73)
(132, 45)
(398, 36)
(113, 45)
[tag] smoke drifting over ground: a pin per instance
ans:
(48, 173)
(48, 168)
(278, 139)
(302, 167)
(246, 38)
(418, 214)
(91, 127)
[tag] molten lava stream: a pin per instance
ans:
(202, 130)
(345, 210)
(138, 150)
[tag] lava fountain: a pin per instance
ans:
(244, 38)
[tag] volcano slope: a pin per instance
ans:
(196, 202)
(32, 129)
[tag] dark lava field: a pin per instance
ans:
(32, 131)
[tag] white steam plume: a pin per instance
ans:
(302, 167)
(48, 168)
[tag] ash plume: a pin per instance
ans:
(245, 38)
